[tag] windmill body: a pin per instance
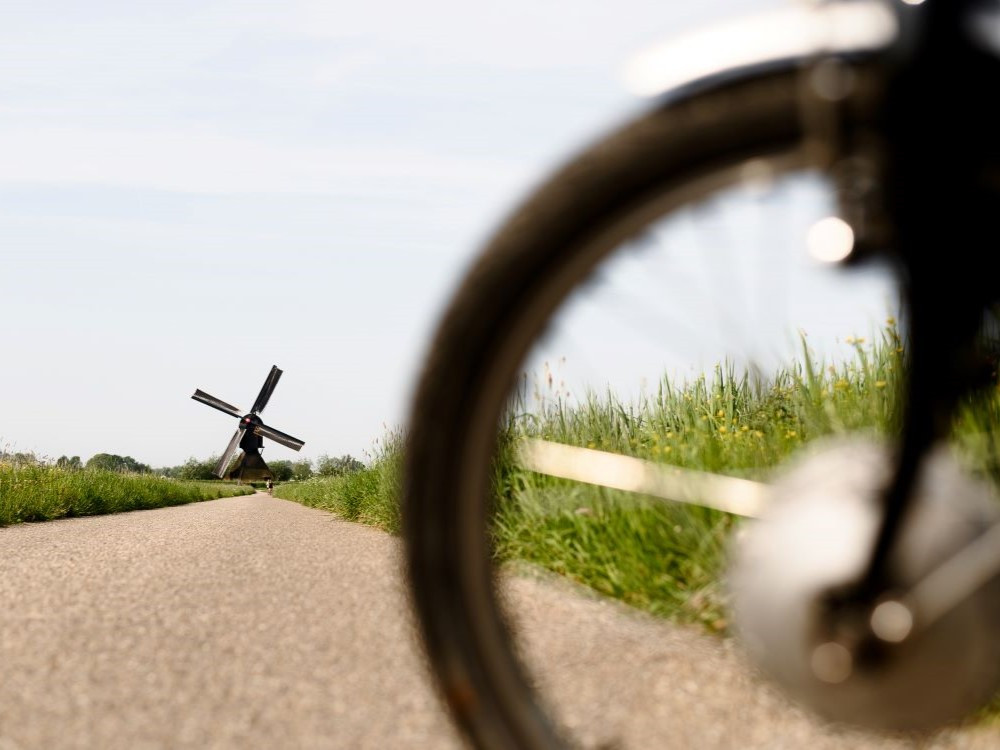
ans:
(250, 434)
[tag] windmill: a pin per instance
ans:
(250, 434)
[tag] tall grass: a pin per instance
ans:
(369, 495)
(37, 492)
(661, 557)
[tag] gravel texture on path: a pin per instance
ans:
(253, 622)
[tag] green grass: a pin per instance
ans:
(369, 495)
(668, 558)
(36, 492)
(661, 557)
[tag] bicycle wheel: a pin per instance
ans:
(600, 244)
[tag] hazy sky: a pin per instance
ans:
(191, 192)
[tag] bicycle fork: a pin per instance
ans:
(935, 217)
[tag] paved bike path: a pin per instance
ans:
(246, 622)
(257, 623)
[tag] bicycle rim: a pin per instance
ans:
(674, 160)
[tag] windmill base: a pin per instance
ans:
(250, 468)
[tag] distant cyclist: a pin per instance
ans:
(270, 484)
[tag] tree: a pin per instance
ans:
(282, 470)
(327, 466)
(301, 470)
(70, 464)
(195, 469)
(105, 462)
(113, 462)
(19, 459)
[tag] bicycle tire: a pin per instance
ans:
(680, 150)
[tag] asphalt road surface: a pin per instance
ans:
(256, 623)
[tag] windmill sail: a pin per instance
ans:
(266, 390)
(250, 433)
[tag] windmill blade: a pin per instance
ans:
(278, 436)
(216, 403)
(265, 392)
(227, 455)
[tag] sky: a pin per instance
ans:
(191, 192)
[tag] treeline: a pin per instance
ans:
(283, 470)
(101, 461)
(193, 468)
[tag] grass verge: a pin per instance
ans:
(666, 558)
(34, 492)
(369, 495)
